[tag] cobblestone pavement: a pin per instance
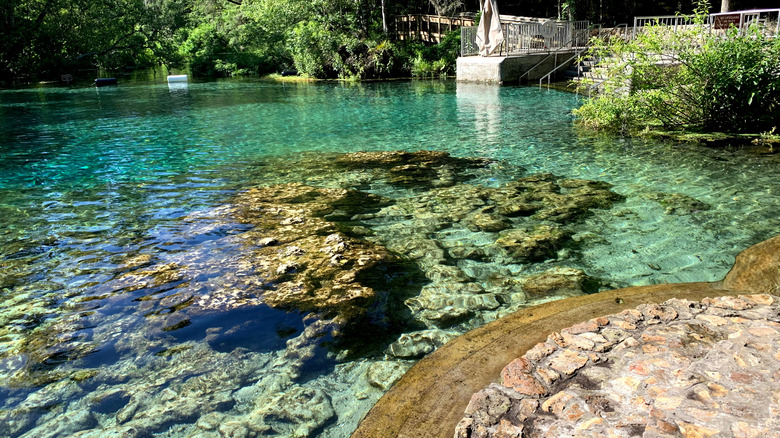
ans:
(678, 369)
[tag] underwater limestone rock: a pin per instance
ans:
(296, 412)
(446, 304)
(276, 404)
(419, 343)
(489, 222)
(546, 197)
(55, 341)
(678, 203)
(132, 401)
(533, 244)
(384, 374)
(420, 170)
(313, 265)
(524, 221)
(294, 250)
(149, 277)
(559, 281)
(69, 423)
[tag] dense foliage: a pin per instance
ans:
(321, 38)
(689, 79)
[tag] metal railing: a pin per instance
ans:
(619, 31)
(672, 21)
(468, 41)
(766, 20)
(577, 52)
(531, 37)
(557, 66)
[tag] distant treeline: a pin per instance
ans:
(43, 39)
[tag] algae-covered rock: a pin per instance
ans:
(487, 222)
(419, 343)
(313, 266)
(384, 374)
(678, 203)
(298, 254)
(537, 243)
(414, 169)
(563, 200)
(449, 305)
(297, 412)
(419, 170)
(446, 229)
(559, 281)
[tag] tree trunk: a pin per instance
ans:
(725, 5)
(384, 20)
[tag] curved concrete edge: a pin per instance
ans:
(757, 266)
(430, 398)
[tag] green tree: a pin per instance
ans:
(45, 37)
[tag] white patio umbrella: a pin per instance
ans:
(490, 35)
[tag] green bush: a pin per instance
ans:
(689, 79)
(368, 59)
(434, 60)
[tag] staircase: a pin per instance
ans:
(583, 69)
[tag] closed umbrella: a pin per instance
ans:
(489, 34)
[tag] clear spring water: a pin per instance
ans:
(95, 182)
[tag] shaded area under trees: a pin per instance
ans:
(322, 38)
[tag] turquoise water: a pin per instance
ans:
(102, 189)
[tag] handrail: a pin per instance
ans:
(554, 53)
(577, 53)
(537, 65)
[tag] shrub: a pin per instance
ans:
(689, 79)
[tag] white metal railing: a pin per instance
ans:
(531, 37)
(468, 41)
(672, 21)
(767, 20)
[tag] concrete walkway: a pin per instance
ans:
(431, 398)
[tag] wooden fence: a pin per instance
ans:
(428, 28)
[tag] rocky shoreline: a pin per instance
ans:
(681, 368)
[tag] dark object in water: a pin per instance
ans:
(103, 82)
(289, 73)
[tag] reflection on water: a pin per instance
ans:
(136, 272)
(482, 103)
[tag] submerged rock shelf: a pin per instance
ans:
(350, 266)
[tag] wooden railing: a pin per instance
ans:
(428, 28)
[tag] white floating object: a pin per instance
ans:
(177, 78)
(178, 86)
